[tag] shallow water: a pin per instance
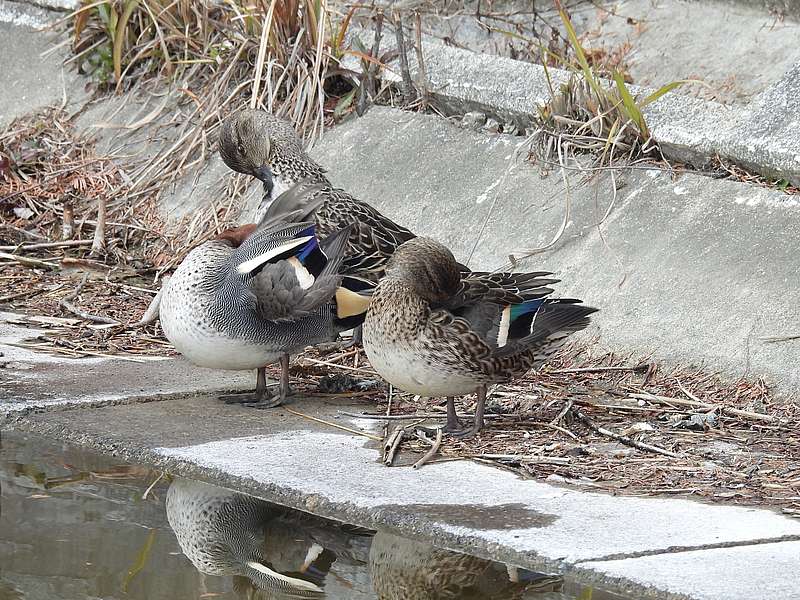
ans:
(74, 525)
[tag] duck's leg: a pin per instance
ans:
(477, 423)
(453, 424)
(271, 401)
(246, 397)
(342, 345)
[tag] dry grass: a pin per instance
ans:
(279, 53)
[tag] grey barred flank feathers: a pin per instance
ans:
(256, 294)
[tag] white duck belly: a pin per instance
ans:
(184, 316)
(414, 370)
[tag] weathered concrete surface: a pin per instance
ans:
(741, 573)
(285, 458)
(31, 81)
(766, 136)
(688, 129)
(694, 270)
(34, 380)
(737, 49)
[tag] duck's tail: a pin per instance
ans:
(541, 326)
(352, 301)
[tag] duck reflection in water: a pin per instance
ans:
(403, 569)
(270, 551)
(275, 553)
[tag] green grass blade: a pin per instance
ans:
(664, 89)
(629, 104)
(120, 36)
(576, 46)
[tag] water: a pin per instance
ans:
(75, 525)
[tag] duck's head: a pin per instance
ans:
(428, 267)
(264, 146)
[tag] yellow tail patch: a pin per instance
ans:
(349, 303)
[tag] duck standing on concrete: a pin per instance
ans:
(257, 293)
(433, 330)
(259, 144)
(225, 533)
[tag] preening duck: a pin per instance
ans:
(259, 144)
(258, 293)
(433, 330)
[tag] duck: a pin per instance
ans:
(433, 330)
(404, 569)
(226, 533)
(259, 292)
(267, 147)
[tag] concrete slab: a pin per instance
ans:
(741, 573)
(285, 458)
(689, 130)
(726, 44)
(32, 80)
(693, 270)
(34, 380)
(737, 49)
(765, 136)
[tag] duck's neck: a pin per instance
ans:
(287, 173)
(396, 301)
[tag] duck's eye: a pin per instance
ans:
(240, 148)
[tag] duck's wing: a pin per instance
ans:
(501, 319)
(298, 203)
(295, 276)
(507, 341)
(478, 288)
(541, 330)
(374, 237)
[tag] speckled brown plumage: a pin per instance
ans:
(403, 569)
(433, 330)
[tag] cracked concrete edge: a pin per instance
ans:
(12, 415)
(382, 517)
(689, 130)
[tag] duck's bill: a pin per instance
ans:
(265, 175)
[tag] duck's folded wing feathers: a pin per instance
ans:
(287, 290)
(499, 289)
(549, 327)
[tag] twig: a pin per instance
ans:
(337, 366)
(706, 406)
(25, 294)
(329, 424)
(46, 245)
(409, 417)
(367, 89)
(624, 439)
(66, 304)
(431, 452)
(422, 77)
(547, 460)
(408, 84)
(780, 338)
(99, 241)
(28, 262)
(563, 412)
(391, 444)
(67, 222)
(563, 430)
(640, 367)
